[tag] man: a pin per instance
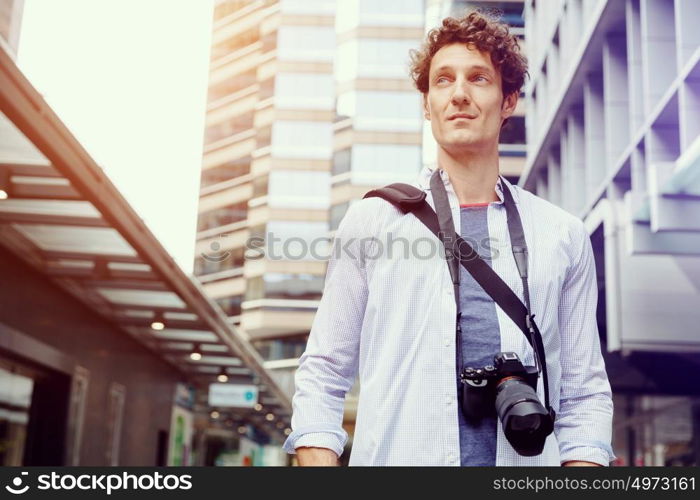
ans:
(391, 318)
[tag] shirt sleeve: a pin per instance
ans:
(328, 366)
(583, 425)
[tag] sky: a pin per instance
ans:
(129, 79)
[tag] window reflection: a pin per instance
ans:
(289, 348)
(285, 286)
(230, 305)
(222, 216)
(225, 172)
(337, 214)
(233, 260)
(513, 132)
(299, 189)
(15, 401)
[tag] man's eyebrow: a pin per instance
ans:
(477, 67)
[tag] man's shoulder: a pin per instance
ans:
(556, 222)
(374, 207)
(365, 216)
(547, 212)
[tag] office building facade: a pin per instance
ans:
(614, 138)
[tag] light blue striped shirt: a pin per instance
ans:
(387, 315)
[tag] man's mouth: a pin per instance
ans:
(465, 116)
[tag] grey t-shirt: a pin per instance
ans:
(480, 338)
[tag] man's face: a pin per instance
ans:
(463, 81)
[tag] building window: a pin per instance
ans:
(302, 139)
(304, 91)
(235, 43)
(269, 42)
(392, 13)
(267, 89)
(230, 305)
(309, 7)
(373, 58)
(229, 128)
(285, 286)
(288, 348)
(260, 186)
(222, 216)
(299, 189)
(297, 240)
(337, 214)
(341, 161)
(382, 110)
(263, 138)
(223, 9)
(376, 164)
(306, 43)
(232, 85)
(232, 259)
(258, 231)
(512, 12)
(225, 172)
(513, 132)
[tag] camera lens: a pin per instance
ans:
(526, 422)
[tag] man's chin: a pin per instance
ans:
(461, 146)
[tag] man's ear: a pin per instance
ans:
(509, 105)
(426, 112)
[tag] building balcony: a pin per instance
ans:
(259, 267)
(235, 63)
(225, 287)
(236, 104)
(241, 20)
(231, 148)
(216, 246)
(237, 193)
(275, 318)
(345, 192)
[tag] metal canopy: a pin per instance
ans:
(64, 217)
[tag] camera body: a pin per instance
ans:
(480, 384)
(508, 389)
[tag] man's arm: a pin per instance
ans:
(309, 456)
(328, 366)
(584, 422)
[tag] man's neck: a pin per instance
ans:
(473, 177)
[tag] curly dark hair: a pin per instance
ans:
(487, 33)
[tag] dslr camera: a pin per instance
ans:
(508, 389)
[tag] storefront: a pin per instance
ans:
(98, 325)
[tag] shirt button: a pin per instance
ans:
(448, 400)
(447, 341)
(452, 458)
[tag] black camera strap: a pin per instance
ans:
(408, 198)
(446, 235)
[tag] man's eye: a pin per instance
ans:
(440, 78)
(482, 77)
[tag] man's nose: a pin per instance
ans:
(460, 95)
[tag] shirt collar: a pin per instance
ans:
(427, 171)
